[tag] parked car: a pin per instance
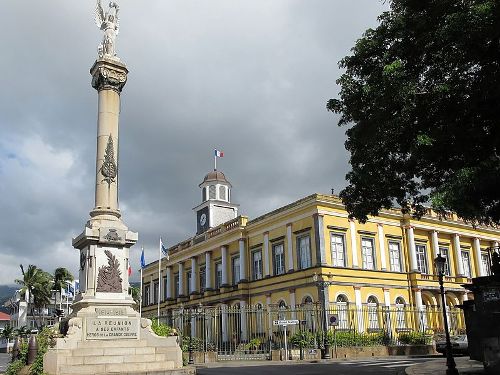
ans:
(459, 345)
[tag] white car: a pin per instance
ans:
(459, 345)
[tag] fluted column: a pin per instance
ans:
(381, 245)
(458, 255)
(243, 260)
(208, 270)
(354, 246)
(413, 250)
(223, 250)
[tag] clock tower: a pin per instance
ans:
(216, 207)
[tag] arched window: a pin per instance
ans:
(373, 317)
(341, 304)
(400, 313)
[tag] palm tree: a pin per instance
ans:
(135, 292)
(61, 279)
(36, 286)
(7, 332)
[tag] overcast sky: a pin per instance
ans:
(250, 78)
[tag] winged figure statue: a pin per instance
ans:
(110, 24)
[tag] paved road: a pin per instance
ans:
(4, 362)
(385, 366)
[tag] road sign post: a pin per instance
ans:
(285, 323)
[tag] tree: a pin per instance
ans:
(422, 92)
(7, 332)
(61, 279)
(135, 292)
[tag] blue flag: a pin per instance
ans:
(70, 290)
(143, 261)
(164, 250)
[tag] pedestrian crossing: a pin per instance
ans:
(388, 363)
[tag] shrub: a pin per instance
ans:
(161, 329)
(303, 339)
(351, 338)
(46, 338)
(414, 338)
(19, 362)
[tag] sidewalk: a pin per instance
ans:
(465, 366)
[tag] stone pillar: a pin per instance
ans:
(208, 270)
(194, 276)
(269, 318)
(225, 333)
(243, 260)
(289, 245)
(435, 243)
(381, 245)
(458, 255)
(293, 302)
(413, 250)
(265, 257)
(421, 317)
(387, 297)
(354, 246)
(359, 308)
(169, 283)
(319, 235)
(476, 244)
(108, 78)
(223, 250)
(182, 293)
(243, 319)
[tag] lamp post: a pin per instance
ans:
(321, 284)
(439, 263)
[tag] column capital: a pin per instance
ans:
(288, 224)
(416, 289)
(356, 287)
(108, 75)
(386, 289)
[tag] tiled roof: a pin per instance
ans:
(4, 316)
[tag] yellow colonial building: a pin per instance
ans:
(271, 260)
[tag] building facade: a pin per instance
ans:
(271, 260)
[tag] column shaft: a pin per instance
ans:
(223, 250)
(477, 255)
(208, 270)
(243, 260)
(265, 257)
(354, 247)
(181, 280)
(289, 245)
(194, 276)
(458, 255)
(169, 283)
(381, 245)
(413, 250)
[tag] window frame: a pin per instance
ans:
(468, 263)
(203, 280)
(298, 240)
(447, 264)
(391, 258)
(417, 246)
(254, 275)
(373, 254)
(236, 275)
(282, 261)
(486, 267)
(344, 252)
(218, 281)
(176, 285)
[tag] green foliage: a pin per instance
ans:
(415, 338)
(345, 339)
(422, 93)
(253, 344)
(7, 332)
(19, 362)
(303, 339)
(198, 345)
(162, 329)
(46, 338)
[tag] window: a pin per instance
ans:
(444, 253)
(176, 285)
(342, 311)
(236, 270)
(304, 252)
(218, 275)
(279, 259)
(367, 251)
(164, 288)
(147, 298)
(400, 313)
(211, 192)
(373, 321)
(204, 194)
(421, 259)
(189, 277)
(395, 256)
(203, 280)
(466, 263)
(222, 193)
(338, 249)
(257, 265)
(485, 263)
(155, 292)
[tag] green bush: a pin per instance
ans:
(161, 329)
(19, 362)
(198, 344)
(345, 339)
(46, 338)
(303, 339)
(414, 338)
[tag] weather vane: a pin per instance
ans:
(110, 24)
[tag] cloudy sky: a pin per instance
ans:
(250, 78)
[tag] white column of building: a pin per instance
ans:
(181, 279)
(387, 297)
(387, 302)
(269, 319)
(435, 244)
(289, 245)
(477, 255)
(293, 302)
(359, 308)
(354, 247)
(208, 270)
(194, 276)
(265, 257)
(421, 319)
(243, 260)
(223, 250)
(381, 245)
(458, 255)
(225, 333)
(169, 283)
(243, 320)
(413, 250)
(151, 290)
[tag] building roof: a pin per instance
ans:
(4, 316)
(215, 176)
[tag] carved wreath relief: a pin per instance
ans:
(108, 168)
(108, 278)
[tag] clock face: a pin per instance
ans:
(203, 219)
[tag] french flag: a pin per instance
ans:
(219, 154)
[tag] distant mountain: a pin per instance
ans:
(6, 292)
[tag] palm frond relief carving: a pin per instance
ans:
(108, 278)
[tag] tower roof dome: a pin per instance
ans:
(216, 176)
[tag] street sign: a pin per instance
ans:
(285, 322)
(333, 319)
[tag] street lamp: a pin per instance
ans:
(439, 263)
(321, 284)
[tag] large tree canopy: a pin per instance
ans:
(422, 93)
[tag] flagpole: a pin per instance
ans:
(215, 161)
(140, 294)
(159, 280)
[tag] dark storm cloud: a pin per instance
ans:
(249, 77)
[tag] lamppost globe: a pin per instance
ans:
(315, 277)
(439, 263)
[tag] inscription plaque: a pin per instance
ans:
(102, 311)
(112, 328)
